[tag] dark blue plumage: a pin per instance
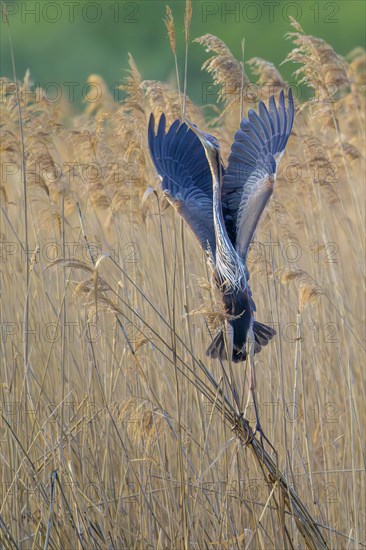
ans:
(180, 160)
(189, 164)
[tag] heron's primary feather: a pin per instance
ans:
(181, 162)
(251, 172)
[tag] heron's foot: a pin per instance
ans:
(237, 428)
(262, 436)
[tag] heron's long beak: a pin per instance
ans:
(210, 151)
(201, 135)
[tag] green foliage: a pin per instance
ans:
(73, 46)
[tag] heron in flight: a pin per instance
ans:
(223, 207)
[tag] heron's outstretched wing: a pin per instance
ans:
(180, 160)
(251, 172)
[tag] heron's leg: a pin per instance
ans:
(252, 386)
(229, 344)
(250, 355)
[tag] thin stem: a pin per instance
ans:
(242, 82)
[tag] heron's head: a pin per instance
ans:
(210, 143)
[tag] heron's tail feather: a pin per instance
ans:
(262, 335)
(217, 347)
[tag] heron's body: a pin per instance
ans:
(223, 207)
(237, 305)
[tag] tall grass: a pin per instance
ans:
(116, 430)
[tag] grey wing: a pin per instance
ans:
(255, 154)
(180, 160)
(256, 193)
(196, 210)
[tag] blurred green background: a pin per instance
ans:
(65, 41)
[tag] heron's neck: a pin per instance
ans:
(229, 265)
(219, 222)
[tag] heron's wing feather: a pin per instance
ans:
(255, 154)
(258, 189)
(196, 209)
(180, 160)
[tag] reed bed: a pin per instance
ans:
(116, 430)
